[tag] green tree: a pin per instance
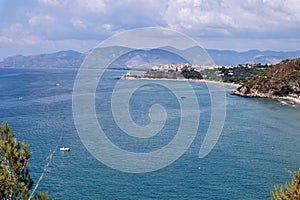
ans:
(42, 196)
(15, 180)
(290, 190)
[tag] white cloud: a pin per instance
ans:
(40, 19)
(97, 19)
(93, 5)
(262, 18)
(50, 2)
(55, 21)
(197, 17)
(16, 34)
(78, 23)
(93, 19)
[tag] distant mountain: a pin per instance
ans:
(118, 57)
(281, 80)
(135, 59)
(68, 59)
(145, 59)
(233, 58)
(265, 59)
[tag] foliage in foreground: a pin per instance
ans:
(290, 191)
(15, 180)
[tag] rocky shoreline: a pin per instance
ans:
(292, 99)
(282, 82)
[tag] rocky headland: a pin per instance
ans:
(281, 81)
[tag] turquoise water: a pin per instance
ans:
(260, 138)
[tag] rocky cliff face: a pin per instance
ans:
(281, 80)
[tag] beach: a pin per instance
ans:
(233, 85)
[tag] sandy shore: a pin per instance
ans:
(233, 85)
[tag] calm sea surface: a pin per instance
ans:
(260, 137)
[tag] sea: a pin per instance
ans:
(259, 138)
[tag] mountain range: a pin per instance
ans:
(134, 59)
(58, 59)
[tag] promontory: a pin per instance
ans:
(279, 81)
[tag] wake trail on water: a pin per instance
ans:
(49, 158)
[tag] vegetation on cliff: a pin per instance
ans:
(281, 80)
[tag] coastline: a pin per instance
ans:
(291, 99)
(233, 85)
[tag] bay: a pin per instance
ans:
(260, 137)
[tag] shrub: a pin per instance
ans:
(290, 191)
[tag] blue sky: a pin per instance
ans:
(40, 26)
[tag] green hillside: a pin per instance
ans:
(281, 80)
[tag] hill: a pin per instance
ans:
(135, 59)
(281, 80)
(68, 58)
(145, 59)
(233, 58)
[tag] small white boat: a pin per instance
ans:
(64, 149)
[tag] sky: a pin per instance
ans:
(40, 26)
